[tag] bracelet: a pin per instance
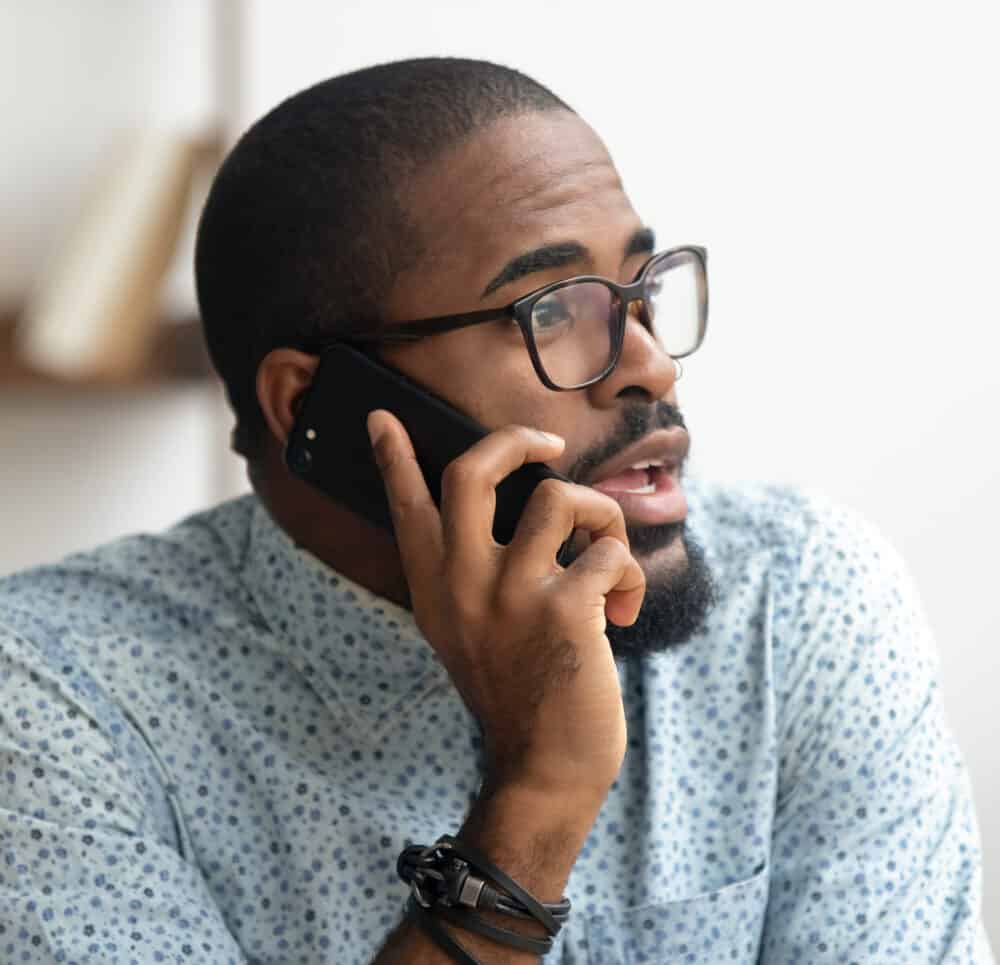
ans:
(448, 880)
(513, 939)
(519, 898)
(444, 941)
(440, 874)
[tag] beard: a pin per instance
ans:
(676, 604)
(679, 599)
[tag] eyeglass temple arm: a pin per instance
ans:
(411, 331)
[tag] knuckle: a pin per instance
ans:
(549, 495)
(642, 578)
(458, 474)
(612, 506)
(609, 552)
(386, 457)
(521, 433)
(404, 504)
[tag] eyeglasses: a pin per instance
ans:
(574, 329)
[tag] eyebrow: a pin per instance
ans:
(558, 255)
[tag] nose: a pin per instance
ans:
(644, 365)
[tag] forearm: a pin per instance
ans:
(535, 839)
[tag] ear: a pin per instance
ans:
(282, 377)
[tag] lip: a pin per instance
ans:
(669, 445)
(666, 504)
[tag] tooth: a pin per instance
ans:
(644, 491)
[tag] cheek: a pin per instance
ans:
(496, 389)
(493, 383)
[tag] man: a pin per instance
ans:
(717, 730)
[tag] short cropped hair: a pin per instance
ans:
(303, 231)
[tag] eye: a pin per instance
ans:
(551, 313)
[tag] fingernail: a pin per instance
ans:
(374, 433)
(551, 436)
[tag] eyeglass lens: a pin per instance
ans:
(573, 325)
(674, 299)
(572, 329)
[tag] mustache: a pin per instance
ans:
(637, 422)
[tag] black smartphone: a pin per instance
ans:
(329, 447)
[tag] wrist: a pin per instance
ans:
(543, 808)
(539, 832)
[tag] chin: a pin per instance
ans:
(678, 599)
(646, 541)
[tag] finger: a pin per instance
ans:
(554, 510)
(607, 567)
(415, 518)
(468, 484)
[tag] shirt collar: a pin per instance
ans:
(360, 651)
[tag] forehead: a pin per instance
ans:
(522, 182)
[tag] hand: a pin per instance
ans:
(522, 638)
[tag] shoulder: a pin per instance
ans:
(824, 560)
(83, 643)
(191, 568)
(783, 520)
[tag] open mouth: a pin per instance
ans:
(649, 495)
(642, 479)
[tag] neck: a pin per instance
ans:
(358, 549)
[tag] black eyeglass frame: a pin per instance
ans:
(521, 310)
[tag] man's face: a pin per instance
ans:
(525, 183)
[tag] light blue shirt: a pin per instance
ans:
(214, 747)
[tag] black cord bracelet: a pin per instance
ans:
(525, 901)
(472, 922)
(449, 880)
(492, 900)
(443, 940)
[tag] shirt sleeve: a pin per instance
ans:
(92, 870)
(875, 850)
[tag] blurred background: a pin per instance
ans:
(838, 160)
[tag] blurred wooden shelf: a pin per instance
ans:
(178, 359)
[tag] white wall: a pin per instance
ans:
(78, 469)
(839, 160)
(72, 76)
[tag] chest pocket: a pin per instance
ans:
(707, 929)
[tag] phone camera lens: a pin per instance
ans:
(300, 460)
